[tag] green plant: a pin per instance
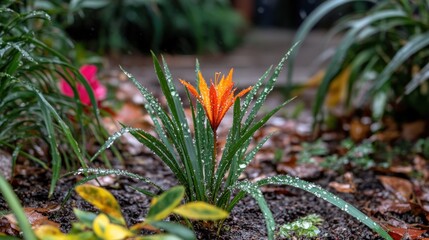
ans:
(305, 227)
(192, 154)
(13, 202)
(175, 26)
(309, 150)
(32, 109)
(385, 50)
(110, 224)
(357, 156)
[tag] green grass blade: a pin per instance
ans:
(254, 191)
(13, 202)
(236, 146)
(234, 133)
(55, 154)
(418, 79)
(327, 196)
(413, 46)
(309, 22)
(337, 62)
(65, 129)
(98, 172)
(268, 87)
(250, 156)
(155, 110)
(94, 173)
(252, 93)
(185, 146)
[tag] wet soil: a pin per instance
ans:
(245, 221)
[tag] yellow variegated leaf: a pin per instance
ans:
(201, 211)
(101, 199)
(108, 231)
(49, 232)
(164, 204)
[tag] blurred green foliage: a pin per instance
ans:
(36, 120)
(387, 51)
(178, 26)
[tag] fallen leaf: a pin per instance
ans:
(304, 171)
(35, 218)
(343, 187)
(405, 233)
(413, 130)
(358, 130)
(348, 187)
(402, 188)
(394, 206)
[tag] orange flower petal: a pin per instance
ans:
(191, 88)
(217, 99)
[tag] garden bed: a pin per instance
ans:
(246, 221)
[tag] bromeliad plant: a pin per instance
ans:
(193, 155)
(110, 223)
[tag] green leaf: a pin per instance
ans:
(418, 79)
(52, 139)
(268, 87)
(327, 196)
(200, 211)
(175, 229)
(337, 62)
(86, 218)
(163, 205)
(413, 46)
(14, 204)
(309, 22)
(255, 192)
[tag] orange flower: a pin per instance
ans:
(217, 99)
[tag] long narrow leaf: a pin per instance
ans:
(309, 22)
(418, 79)
(13, 202)
(338, 60)
(327, 196)
(402, 55)
(254, 191)
(55, 154)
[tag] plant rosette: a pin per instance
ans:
(207, 173)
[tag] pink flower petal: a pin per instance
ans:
(89, 72)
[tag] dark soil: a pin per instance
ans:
(246, 220)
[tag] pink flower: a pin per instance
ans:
(89, 72)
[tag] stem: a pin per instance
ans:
(214, 152)
(214, 166)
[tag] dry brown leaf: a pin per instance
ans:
(394, 206)
(131, 115)
(386, 136)
(413, 130)
(305, 171)
(401, 169)
(348, 187)
(343, 187)
(405, 233)
(358, 130)
(35, 218)
(402, 188)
